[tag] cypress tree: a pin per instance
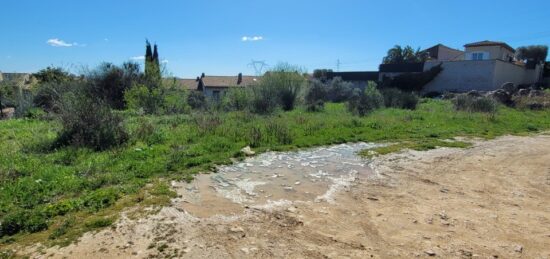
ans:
(148, 60)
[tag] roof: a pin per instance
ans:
(489, 43)
(434, 51)
(189, 84)
(354, 76)
(229, 81)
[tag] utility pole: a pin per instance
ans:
(338, 65)
(259, 66)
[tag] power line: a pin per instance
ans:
(259, 66)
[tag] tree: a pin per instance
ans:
(52, 75)
(400, 55)
(533, 53)
(152, 64)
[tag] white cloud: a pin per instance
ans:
(164, 61)
(60, 43)
(252, 38)
(138, 58)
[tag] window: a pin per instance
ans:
(477, 56)
(216, 95)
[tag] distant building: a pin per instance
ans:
(216, 86)
(482, 66)
(23, 80)
(441, 52)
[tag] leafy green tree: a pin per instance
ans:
(52, 75)
(400, 55)
(534, 53)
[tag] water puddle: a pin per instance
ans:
(275, 179)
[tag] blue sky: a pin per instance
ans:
(207, 35)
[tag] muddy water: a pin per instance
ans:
(275, 179)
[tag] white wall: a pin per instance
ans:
(509, 72)
(480, 75)
(462, 76)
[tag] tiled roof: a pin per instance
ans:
(229, 81)
(189, 84)
(490, 43)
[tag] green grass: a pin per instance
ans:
(83, 185)
(419, 145)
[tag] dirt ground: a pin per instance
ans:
(488, 201)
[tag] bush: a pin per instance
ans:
(141, 97)
(49, 95)
(109, 82)
(196, 100)
(22, 220)
(279, 87)
(469, 103)
(100, 199)
(396, 98)
(363, 103)
(339, 90)
(315, 95)
(237, 99)
(533, 102)
(279, 132)
(88, 123)
(174, 102)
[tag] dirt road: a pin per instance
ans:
(488, 201)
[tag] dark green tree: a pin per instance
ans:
(400, 55)
(152, 64)
(534, 53)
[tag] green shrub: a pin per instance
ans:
(279, 132)
(255, 136)
(99, 223)
(339, 90)
(315, 95)
(141, 97)
(22, 220)
(175, 102)
(363, 103)
(197, 100)
(396, 98)
(101, 198)
(237, 99)
(468, 103)
(280, 87)
(109, 82)
(62, 229)
(207, 122)
(49, 95)
(12, 223)
(87, 123)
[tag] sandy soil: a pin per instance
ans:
(488, 201)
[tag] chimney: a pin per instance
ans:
(240, 78)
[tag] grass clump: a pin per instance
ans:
(470, 103)
(419, 145)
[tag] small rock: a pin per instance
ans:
(518, 249)
(430, 252)
(288, 188)
(291, 209)
(297, 183)
(236, 229)
(245, 250)
(248, 151)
